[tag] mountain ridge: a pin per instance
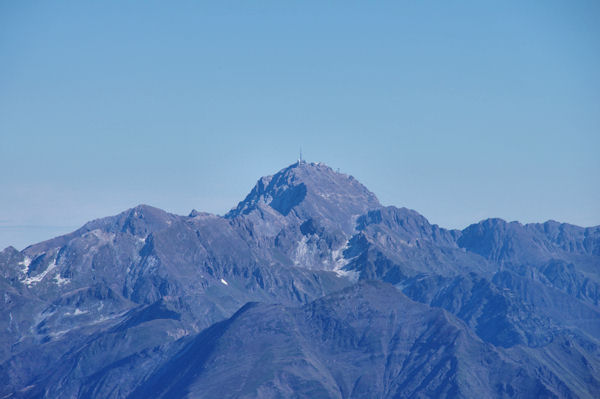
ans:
(146, 281)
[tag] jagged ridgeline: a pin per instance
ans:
(308, 288)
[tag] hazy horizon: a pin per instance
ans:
(461, 112)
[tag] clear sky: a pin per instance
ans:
(461, 110)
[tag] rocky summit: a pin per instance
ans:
(308, 288)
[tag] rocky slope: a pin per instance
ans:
(147, 301)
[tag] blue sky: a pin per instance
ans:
(461, 110)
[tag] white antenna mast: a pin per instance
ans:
(300, 160)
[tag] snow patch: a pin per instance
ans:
(224, 282)
(59, 333)
(36, 279)
(25, 264)
(339, 262)
(337, 256)
(301, 250)
(178, 333)
(77, 312)
(352, 275)
(60, 280)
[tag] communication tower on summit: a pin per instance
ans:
(300, 160)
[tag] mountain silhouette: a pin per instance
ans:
(309, 287)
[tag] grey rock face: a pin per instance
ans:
(147, 303)
(307, 190)
(513, 243)
(394, 244)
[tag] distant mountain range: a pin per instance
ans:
(308, 288)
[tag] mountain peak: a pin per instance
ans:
(139, 220)
(308, 190)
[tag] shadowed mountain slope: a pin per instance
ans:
(365, 341)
